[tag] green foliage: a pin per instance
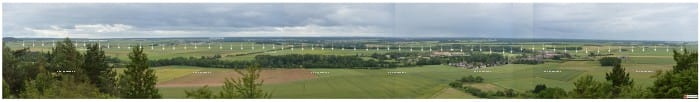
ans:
(428, 61)
(36, 88)
(685, 61)
(475, 57)
(200, 93)
(5, 90)
(33, 77)
(682, 80)
(609, 61)
(246, 86)
(539, 88)
(586, 87)
(552, 93)
(46, 86)
(17, 68)
(280, 61)
(471, 79)
(475, 91)
(618, 79)
(634, 92)
(456, 84)
(138, 81)
(98, 70)
(64, 57)
(318, 61)
(67, 87)
(508, 93)
(395, 55)
(13, 75)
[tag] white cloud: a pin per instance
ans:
(81, 30)
(126, 31)
(103, 27)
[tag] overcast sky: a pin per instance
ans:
(652, 21)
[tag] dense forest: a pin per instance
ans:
(65, 72)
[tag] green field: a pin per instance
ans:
(428, 81)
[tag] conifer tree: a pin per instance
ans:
(138, 81)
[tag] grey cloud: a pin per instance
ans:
(503, 20)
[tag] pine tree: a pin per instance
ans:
(65, 57)
(587, 87)
(45, 85)
(5, 90)
(682, 80)
(13, 76)
(138, 81)
(42, 83)
(619, 77)
(98, 71)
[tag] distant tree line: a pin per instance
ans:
(471, 58)
(281, 61)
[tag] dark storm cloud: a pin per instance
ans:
(505, 20)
